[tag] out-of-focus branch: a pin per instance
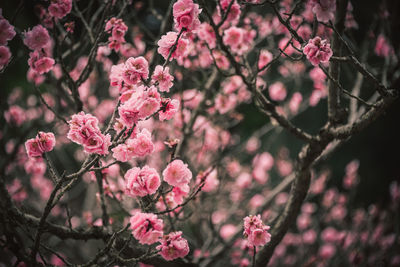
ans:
(334, 67)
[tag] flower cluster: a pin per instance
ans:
(186, 15)
(139, 146)
(43, 142)
(38, 40)
(84, 130)
(318, 50)
(173, 246)
(255, 231)
(7, 33)
(118, 29)
(142, 103)
(60, 8)
(169, 42)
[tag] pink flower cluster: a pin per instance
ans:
(7, 33)
(173, 246)
(43, 142)
(324, 9)
(37, 40)
(60, 8)
(177, 173)
(162, 78)
(118, 29)
(135, 69)
(167, 42)
(255, 231)
(186, 15)
(84, 130)
(234, 11)
(144, 102)
(238, 39)
(141, 182)
(146, 227)
(318, 50)
(139, 146)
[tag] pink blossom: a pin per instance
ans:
(166, 43)
(234, 11)
(135, 69)
(255, 231)
(173, 246)
(383, 47)
(142, 144)
(168, 109)
(295, 102)
(206, 33)
(327, 251)
(277, 91)
(39, 62)
(324, 9)
(35, 166)
(243, 180)
(143, 103)
(84, 130)
(146, 227)
(227, 231)
(7, 31)
(142, 182)
(265, 58)
(186, 15)
(37, 38)
(210, 179)
(162, 77)
(233, 37)
(317, 51)
(5, 56)
(177, 173)
(97, 143)
(60, 8)
(225, 103)
(32, 148)
(15, 115)
(81, 126)
(43, 142)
